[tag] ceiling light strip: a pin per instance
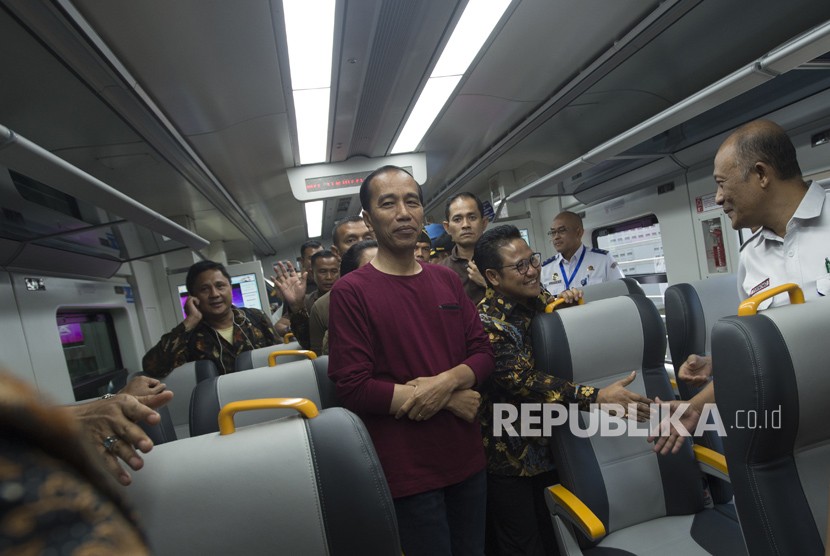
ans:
(314, 218)
(471, 32)
(309, 29)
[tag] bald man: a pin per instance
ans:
(760, 186)
(574, 265)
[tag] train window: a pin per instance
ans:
(637, 247)
(90, 347)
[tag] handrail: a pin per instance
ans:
(226, 425)
(272, 357)
(750, 306)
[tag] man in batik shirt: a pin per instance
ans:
(519, 468)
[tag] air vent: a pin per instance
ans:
(820, 138)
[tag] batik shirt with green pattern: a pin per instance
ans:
(515, 381)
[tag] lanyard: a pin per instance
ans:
(565, 274)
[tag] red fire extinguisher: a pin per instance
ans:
(718, 249)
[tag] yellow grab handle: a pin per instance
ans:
(711, 458)
(288, 337)
(750, 306)
(551, 307)
(272, 357)
(582, 514)
(226, 425)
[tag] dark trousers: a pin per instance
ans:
(518, 520)
(448, 521)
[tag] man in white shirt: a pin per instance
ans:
(760, 186)
(798, 254)
(574, 265)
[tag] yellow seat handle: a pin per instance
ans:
(288, 338)
(750, 306)
(582, 515)
(272, 357)
(302, 405)
(551, 307)
(711, 458)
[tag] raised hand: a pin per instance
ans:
(291, 284)
(193, 316)
(475, 275)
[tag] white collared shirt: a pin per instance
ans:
(559, 274)
(768, 260)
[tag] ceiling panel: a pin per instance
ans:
(211, 64)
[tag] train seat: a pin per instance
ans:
(772, 391)
(611, 288)
(303, 379)
(691, 311)
(300, 485)
(616, 495)
(259, 357)
(182, 380)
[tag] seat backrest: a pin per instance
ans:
(691, 311)
(164, 431)
(611, 288)
(772, 391)
(256, 358)
(293, 486)
(182, 380)
(299, 379)
(619, 477)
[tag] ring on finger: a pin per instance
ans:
(110, 442)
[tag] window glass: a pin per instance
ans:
(90, 347)
(637, 246)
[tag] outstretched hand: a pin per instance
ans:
(617, 393)
(696, 370)
(110, 426)
(667, 437)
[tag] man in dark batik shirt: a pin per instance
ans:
(213, 328)
(519, 468)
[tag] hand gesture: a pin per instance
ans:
(696, 370)
(145, 387)
(616, 393)
(110, 425)
(193, 316)
(475, 275)
(666, 437)
(291, 284)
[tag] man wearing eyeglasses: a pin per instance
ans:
(574, 265)
(519, 468)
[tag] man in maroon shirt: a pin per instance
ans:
(406, 347)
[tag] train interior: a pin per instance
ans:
(137, 138)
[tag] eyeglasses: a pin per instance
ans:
(562, 230)
(524, 265)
